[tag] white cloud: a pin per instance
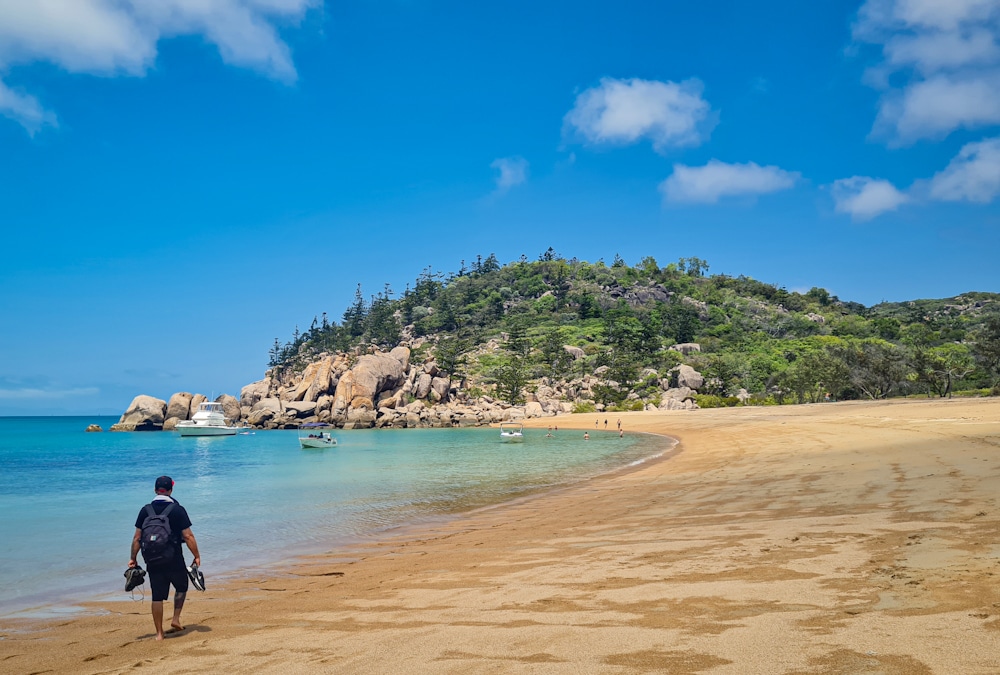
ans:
(935, 107)
(942, 14)
(930, 53)
(864, 198)
(119, 37)
(511, 171)
(707, 184)
(621, 112)
(973, 175)
(27, 392)
(24, 109)
(949, 56)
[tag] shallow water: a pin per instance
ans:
(68, 499)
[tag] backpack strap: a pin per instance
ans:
(166, 512)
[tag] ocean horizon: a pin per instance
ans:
(70, 498)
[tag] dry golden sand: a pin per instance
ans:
(832, 538)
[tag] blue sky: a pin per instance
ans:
(183, 181)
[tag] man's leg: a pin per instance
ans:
(157, 606)
(175, 620)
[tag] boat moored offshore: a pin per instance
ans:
(315, 435)
(209, 420)
(511, 432)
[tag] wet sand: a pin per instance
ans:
(830, 538)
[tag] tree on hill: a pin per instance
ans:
(556, 361)
(986, 349)
(511, 374)
(938, 368)
(355, 315)
(449, 353)
(875, 367)
(754, 335)
(628, 344)
(381, 325)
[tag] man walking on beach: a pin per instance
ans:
(163, 575)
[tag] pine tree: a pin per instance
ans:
(354, 316)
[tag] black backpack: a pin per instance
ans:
(157, 542)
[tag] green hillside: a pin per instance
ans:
(759, 343)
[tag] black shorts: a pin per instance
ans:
(161, 578)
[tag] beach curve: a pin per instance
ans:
(847, 537)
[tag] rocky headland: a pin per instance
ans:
(388, 390)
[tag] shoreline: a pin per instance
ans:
(52, 605)
(826, 538)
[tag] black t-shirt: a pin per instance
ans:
(179, 521)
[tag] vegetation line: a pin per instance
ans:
(503, 328)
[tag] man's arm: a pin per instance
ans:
(192, 545)
(136, 539)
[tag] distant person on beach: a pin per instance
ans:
(173, 572)
(586, 436)
(596, 422)
(619, 424)
(605, 422)
(621, 433)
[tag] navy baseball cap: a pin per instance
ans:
(164, 484)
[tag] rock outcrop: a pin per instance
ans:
(254, 392)
(688, 377)
(179, 406)
(686, 348)
(144, 414)
(230, 408)
(370, 376)
(388, 390)
(178, 410)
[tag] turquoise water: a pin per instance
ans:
(68, 499)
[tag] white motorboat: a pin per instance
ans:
(511, 432)
(209, 420)
(316, 435)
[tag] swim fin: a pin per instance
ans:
(197, 578)
(134, 576)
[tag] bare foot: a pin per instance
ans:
(175, 627)
(159, 637)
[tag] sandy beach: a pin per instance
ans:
(830, 538)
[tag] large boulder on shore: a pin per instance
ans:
(319, 379)
(440, 388)
(272, 404)
(254, 392)
(361, 418)
(533, 409)
(196, 402)
(260, 417)
(300, 408)
(145, 413)
(179, 406)
(230, 407)
(422, 385)
(371, 375)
